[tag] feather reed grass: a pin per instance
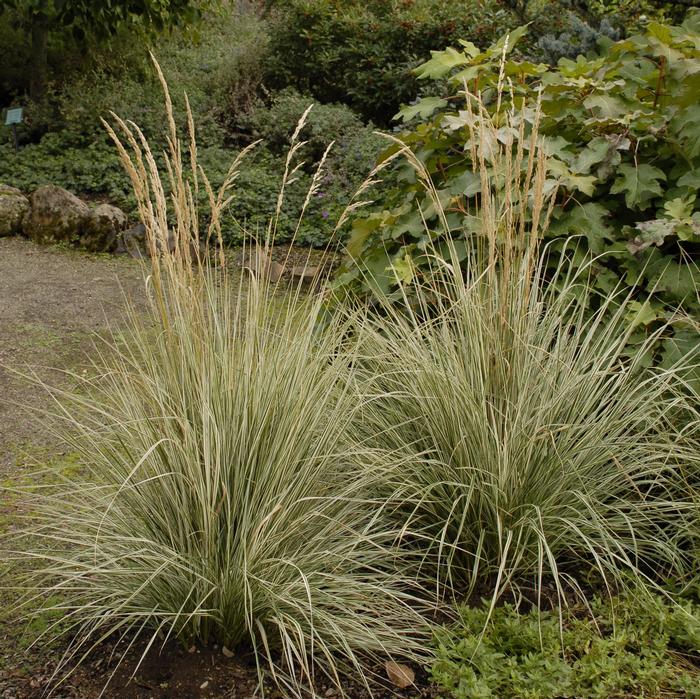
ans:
(220, 499)
(535, 447)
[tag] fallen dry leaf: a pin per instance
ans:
(399, 675)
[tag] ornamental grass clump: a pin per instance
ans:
(535, 445)
(220, 500)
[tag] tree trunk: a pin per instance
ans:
(39, 59)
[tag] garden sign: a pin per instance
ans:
(12, 118)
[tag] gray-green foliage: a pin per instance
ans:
(576, 38)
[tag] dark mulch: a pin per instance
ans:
(174, 672)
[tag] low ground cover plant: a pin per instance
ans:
(632, 645)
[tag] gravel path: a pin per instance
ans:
(52, 301)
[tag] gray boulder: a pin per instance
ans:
(260, 263)
(55, 216)
(133, 242)
(102, 227)
(304, 274)
(13, 208)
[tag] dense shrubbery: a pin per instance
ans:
(633, 645)
(255, 200)
(362, 53)
(353, 153)
(64, 142)
(90, 169)
(223, 87)
(356, 146)
(354, 149)
(354, 52)
(623, 138)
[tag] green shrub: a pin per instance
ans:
(70, 120)
(88, 170)
(361, 53)
(221, 76)
(637, 11)
(254, 202)
(352, 156)
(622, 136)
(94, 170)
(356, 146)
(641, 646)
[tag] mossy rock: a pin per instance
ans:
(14, 206)
(55, 216)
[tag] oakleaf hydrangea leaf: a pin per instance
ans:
(640, 184)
